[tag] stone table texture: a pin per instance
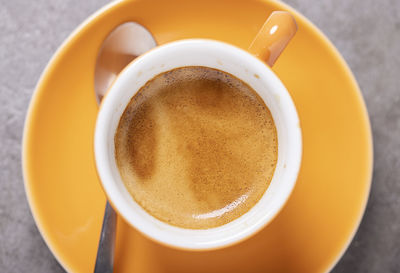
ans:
(366, 32)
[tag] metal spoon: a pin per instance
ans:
(121, 46)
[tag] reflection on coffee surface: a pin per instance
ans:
(196, 147)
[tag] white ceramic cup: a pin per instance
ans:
(224, 57)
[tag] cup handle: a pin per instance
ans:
(273, 36)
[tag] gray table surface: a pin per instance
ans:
(366, 32)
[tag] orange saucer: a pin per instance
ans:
(318, 222)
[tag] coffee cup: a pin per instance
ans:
(251, 67)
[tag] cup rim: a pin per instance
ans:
(106, 109)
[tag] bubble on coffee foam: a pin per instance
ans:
(220, 212)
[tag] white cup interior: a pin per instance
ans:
(228, 58)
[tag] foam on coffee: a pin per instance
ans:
(196, 147)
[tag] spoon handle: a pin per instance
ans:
(105, 251)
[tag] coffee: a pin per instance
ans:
(196, 147)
